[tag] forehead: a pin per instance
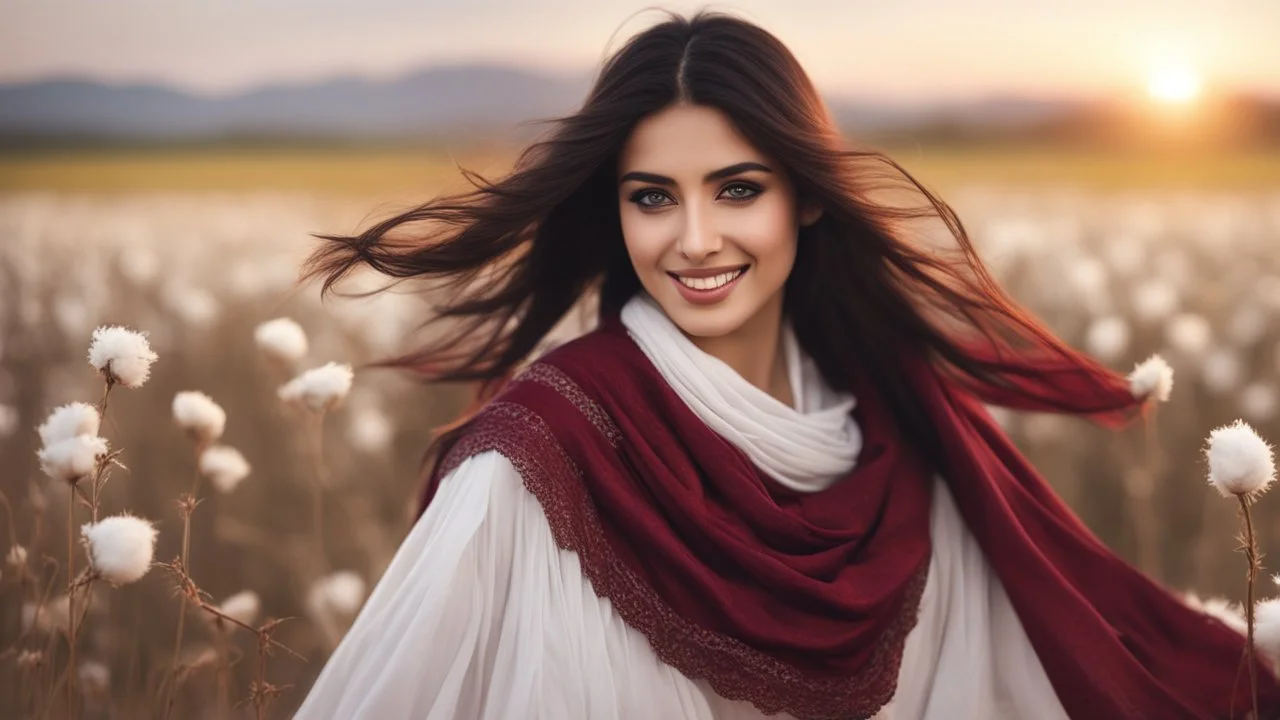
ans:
(695, 138)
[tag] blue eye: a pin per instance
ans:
(751, 189)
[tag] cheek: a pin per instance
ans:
(644, 239)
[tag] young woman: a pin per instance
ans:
(765, 484)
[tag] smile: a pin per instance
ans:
(708, 290)
(710, 283)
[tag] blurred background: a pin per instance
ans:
(162, 166)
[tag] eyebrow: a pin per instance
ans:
(710, 177)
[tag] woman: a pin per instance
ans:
(765, 484)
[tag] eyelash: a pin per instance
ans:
(639, 194)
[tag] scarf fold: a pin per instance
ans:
(800, 602)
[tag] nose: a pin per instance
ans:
(699, 239)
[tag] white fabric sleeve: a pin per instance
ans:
(419, 647)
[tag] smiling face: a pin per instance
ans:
(710, 223)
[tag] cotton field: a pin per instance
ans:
(278, 476)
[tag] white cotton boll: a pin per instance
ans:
(1153, 377)
(68, 421)
(1107, 337)
(1240, 461)
(1260, 400)
(1189, 333)
(369, 430)
(139, 265)
(1266, 628)
(338, 594)
(16, 557)
(1231, 614)
(95, 678)
(193, 305)
(122, 355)
(224, 466)
(1154, 300)
(244, 607)
(52, 616)
(72, 459)
(281, 339)
(1247, 326)
(120, 547)
(319, 388)
(1222, 371)
(199, 415)
(8, 421)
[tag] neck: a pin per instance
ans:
(742, 348)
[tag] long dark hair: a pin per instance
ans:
(514, 256)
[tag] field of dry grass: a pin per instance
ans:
(1123, 258)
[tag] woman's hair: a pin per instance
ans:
(514, 256)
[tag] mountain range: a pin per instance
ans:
(474, 101)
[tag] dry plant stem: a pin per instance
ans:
(1251, 552)
(186, 505)
(71, 602)
(318, 487)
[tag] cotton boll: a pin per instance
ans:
(1152, 377)
(16, 557)
(8, 421)
(120, 547)
(68, 421)
(139, 265)
(1240, 462)
(1229, 613)
(224, 466)
(243, 607)
(1154, 300)
(1247, 326)
(122, 355)
(340, 593)
(50, 617)
(95, 679)
(199, 415)
(369, 430)
(1266, 628)
(281, 339)
(319, 388)
(1222, 371)
(1260, 400)
(1189, 333)
(73, 459)
(1107, 337)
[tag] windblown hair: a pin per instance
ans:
(517, 254)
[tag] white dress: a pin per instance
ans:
(481, 615)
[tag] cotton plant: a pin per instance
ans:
(333, 601)
(283, 341)
(119, 548)
(316, 392)
(1242, 466)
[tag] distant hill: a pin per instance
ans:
(486, 101)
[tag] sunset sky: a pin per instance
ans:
(906, 50)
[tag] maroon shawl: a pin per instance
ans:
(801, 602)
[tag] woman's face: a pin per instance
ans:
(709, 222)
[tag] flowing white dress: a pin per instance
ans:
(481, 615)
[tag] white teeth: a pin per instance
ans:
(710, 283)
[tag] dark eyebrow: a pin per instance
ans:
(711, 176)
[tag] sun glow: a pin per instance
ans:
(1174, 85)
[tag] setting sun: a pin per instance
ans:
(1173, 85)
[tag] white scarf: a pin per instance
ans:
(805, 448)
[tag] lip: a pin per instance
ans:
(707, 272)
(708, 297)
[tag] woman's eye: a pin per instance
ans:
(747, 191)
(649, 194)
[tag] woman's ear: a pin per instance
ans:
(809, 213)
